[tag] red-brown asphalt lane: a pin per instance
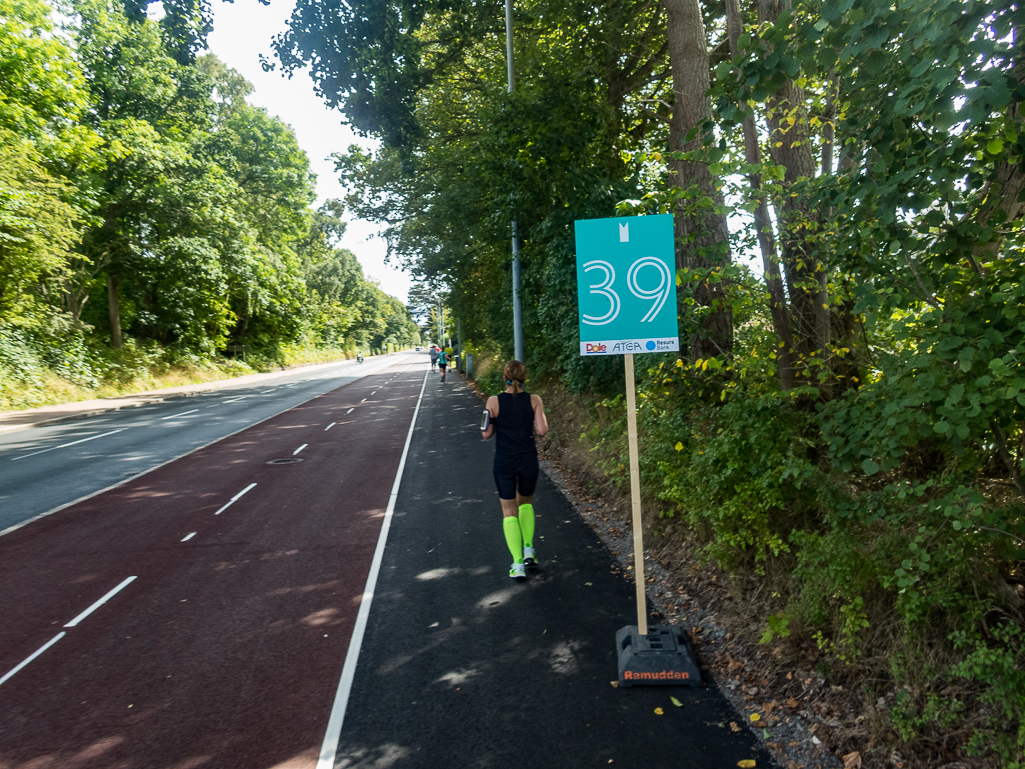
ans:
(227, 648)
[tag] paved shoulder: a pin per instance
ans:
(463, 667)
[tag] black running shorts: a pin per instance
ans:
(508, 485)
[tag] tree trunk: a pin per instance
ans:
(778, 308)
(702, 239)
(1006, 189)
(790, 146)
(114, 300)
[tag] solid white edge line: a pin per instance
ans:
(330, 426)
(32, 656)
(113, 486)
(187, 537)
(65, 445)
(300, 449)
(235, 498)
(329, 748)
(100, 602)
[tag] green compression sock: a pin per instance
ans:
(527, 524)
(513, 538)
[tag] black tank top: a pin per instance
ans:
(515, 450)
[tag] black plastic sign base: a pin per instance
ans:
(663, 657)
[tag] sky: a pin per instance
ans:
(242, 31)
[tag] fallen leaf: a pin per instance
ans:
(588, 584)
(852, 760)
(659, 711)
(676, 702)
(747, 763)
(792, 703)
(615, 684)
(755, 717)
(734, 727)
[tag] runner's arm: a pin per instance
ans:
(540, 420)
(492, 406)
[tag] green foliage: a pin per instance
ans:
(998, 663)
(139, 187)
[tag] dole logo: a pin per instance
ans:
(596, 347)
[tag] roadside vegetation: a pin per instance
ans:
(155, 227)
(842, 434)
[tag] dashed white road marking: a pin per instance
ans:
(100, 602)
(351, 410)
(172, 416)
(32, 656)
(64, 446)
(363, 401)
(187, 537)
(330, 426)
(300, 449)
(235, 399)
(235, 498)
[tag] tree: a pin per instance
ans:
(702, 239)
(41, 99)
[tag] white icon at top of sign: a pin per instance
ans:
(624, 233)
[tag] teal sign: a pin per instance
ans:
(626, 285)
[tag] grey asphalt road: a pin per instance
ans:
(462, 666)
(45, 468)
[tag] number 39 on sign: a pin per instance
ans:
(626, 285)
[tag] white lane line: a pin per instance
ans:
(363, 401)
(330, 426)
(64, 446)
(235, 399)
(329, 748)
(386, 363)
(264, 392)
(235, 498)
(32, 656)
(179, 415)
(100, 602)
(350, 410)
(300, 449)
(373, 393)
(187, 537)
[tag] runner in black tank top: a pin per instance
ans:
(515, 417)
(515, 450)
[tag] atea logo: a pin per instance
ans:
(596, 347)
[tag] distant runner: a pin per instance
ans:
(516, 416)
(434, 357)
(442, 362)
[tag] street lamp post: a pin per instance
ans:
(517, 309)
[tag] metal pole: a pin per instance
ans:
(441, 324)
(517, 308)
(459, 344)
(509, 46)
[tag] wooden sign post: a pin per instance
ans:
(635, 494)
